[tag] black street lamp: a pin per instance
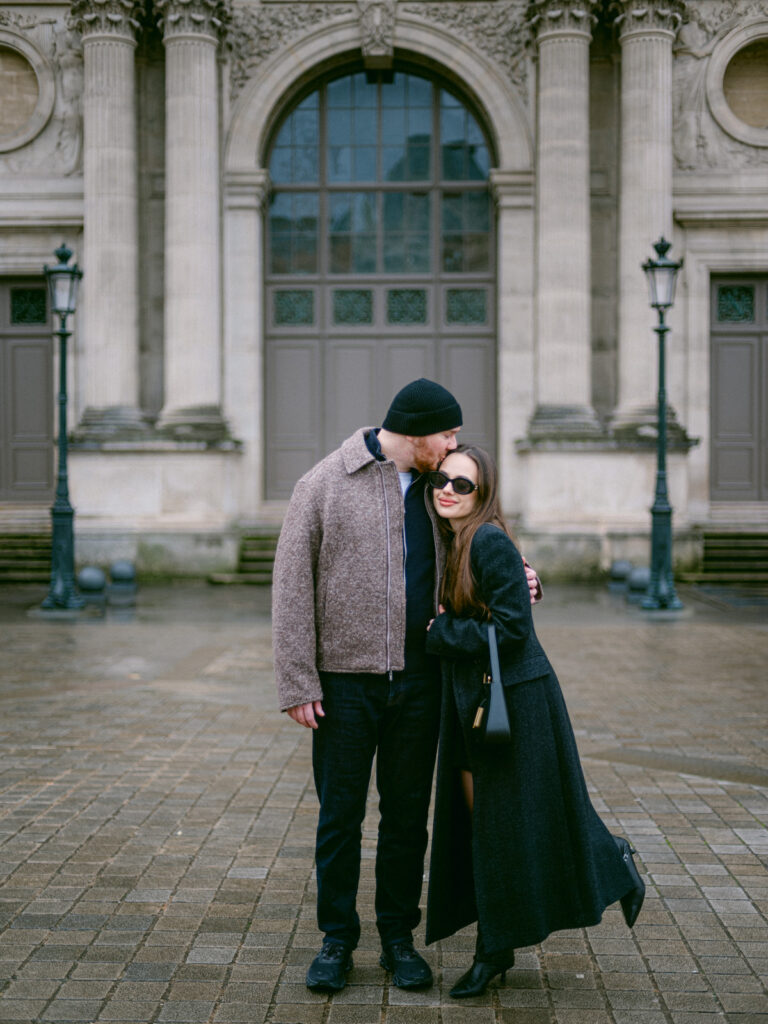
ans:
(63, 280)
(661, 274)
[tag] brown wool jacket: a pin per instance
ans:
(338, 596)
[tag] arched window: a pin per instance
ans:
(379, 262)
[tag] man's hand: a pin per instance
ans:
(307, 714)
(534, 584)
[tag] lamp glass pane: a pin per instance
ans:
(661, 285)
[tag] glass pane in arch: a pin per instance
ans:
(295, 156)
(464, 153)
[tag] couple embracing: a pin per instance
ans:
(393, 559)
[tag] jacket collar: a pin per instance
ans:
(354, 451)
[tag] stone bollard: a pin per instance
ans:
(619, 575)
(122, 589)
(92, 583)
(637, 584)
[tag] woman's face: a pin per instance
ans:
(448, 504)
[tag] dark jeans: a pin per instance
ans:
(398, 720)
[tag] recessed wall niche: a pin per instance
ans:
(737, 83)
(26, 91)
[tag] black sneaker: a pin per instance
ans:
(408, 968)
(328, 971)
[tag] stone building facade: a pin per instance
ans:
(285, 210)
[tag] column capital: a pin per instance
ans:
(561, 17)
(641, 17)
(116, 18)
(193, 17)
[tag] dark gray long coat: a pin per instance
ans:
(535, 857)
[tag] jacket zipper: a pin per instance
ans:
(389, 567)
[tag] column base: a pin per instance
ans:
(639, 425)
(194, 423)
(564, 423)
(112, 423)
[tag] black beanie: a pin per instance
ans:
(421, 408)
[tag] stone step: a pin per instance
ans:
(741, 578)
(19, 575)
(263, 579)
(8, 543)
(23, 563)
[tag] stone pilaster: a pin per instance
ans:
(646, 32)
(108, 317)
(191, 35)
(563, 32)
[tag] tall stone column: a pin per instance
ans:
(646, 32)
(108, 317)
(563, 31)
(192, 319)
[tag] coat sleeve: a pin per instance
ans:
(501, 582)
(294, 623)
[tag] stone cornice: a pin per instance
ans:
(511, 189)
(105, 17)
(192, 17)
(566, 17)
(641, 16)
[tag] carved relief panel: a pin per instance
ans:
(713, 72)
(496, 28)
(41, 82)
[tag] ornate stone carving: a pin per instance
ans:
(639, 15)
(698, 140)
(494, 29)
(257, 31)
(58, 148)
(561, 15)
(105, 17)
(377, 28)
(704, 21)
(199, 17)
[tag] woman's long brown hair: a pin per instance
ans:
(458, 590)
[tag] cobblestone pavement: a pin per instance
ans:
(157, 818)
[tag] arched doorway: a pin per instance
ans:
(379, 262)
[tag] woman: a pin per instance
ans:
(516, 843)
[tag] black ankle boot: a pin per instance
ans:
(485, 967)
(632, 901)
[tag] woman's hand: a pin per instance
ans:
(440, 611)
(534, 584)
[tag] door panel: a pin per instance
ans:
(739, 390)
(26, 393)
(293, 372)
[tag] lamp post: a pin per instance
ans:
(661, 275)
(63, 280)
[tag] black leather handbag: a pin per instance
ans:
(491, 718)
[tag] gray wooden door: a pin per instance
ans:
(26, 392)
(379, 264)
(739, 389)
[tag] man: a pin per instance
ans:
(355, 585)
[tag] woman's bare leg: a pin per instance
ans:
(468, 788)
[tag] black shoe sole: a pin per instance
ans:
(386, 963)
(325, 986)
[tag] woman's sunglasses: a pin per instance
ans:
(461, 484)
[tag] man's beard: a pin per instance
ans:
(424, 459)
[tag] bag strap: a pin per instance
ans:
(495, 667)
